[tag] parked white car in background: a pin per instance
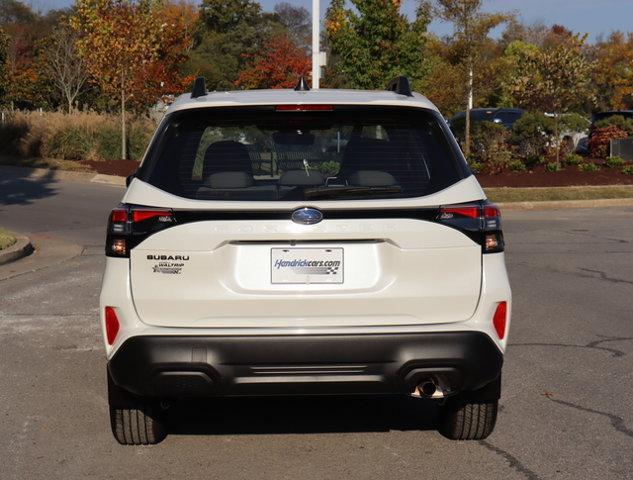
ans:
(282, 242)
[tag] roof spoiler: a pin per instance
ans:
(199, 88)
(400, 85)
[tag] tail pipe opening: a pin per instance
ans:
(430, 387)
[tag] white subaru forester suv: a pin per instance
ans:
(297, 242)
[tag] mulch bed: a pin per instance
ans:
(122, 168)
(566, 178)
(571, 176)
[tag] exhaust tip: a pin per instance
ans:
(427, 388)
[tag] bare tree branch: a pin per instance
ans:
(66, 68)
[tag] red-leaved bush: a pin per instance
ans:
(600, 138)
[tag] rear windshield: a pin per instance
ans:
(264, 154)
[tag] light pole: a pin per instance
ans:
(316, 54)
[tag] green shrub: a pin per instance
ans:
(628, 170)
(551, 167)
(573, 122)
(109, 142)
(139, 137)
(12, 132)
(476, 166)
(625, 124)
(329, 168)
(516, 165)
(532, 134)
(589, 167)
(76, 136)
(458, 127)
(614, 162)
(573, 159)
(532, 160)
(71, 143)
(490, 147)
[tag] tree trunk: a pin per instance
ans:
(469, 107)
(123, 129)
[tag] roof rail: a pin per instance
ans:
(400, 85)
(199, 88)
(302, 85)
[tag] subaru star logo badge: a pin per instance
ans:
(307, 216)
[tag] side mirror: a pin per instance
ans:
(129, 179)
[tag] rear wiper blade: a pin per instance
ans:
(346, 191)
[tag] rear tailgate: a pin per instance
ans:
(221, 274)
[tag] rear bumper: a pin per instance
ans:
(202, 366)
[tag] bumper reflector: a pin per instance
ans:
(500, 318)
(111, 325)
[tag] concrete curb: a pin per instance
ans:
(82, 177)
(49, 251)
(21, 248)
(109, 179)
(559, 204)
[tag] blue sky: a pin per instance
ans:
(595, 17)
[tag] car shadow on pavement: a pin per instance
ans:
(317, 414)
(19, 187)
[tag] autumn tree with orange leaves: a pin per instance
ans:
(613, 75)
(162, 75)
(131, 49)
(279, 64)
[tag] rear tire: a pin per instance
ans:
(137, 426)
(463, 420)
(134, 420)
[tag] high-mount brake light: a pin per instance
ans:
(304, 108)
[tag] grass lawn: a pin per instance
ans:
(6, 239)
(52, 163)
(543, 194)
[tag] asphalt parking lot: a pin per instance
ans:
(568, 378)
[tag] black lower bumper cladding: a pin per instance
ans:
(202, 366)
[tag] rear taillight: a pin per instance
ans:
(118, 215)
(130, 225)
(111, 325)
(500, 319)
(162, 215)
(479, 221)
(472, 211)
